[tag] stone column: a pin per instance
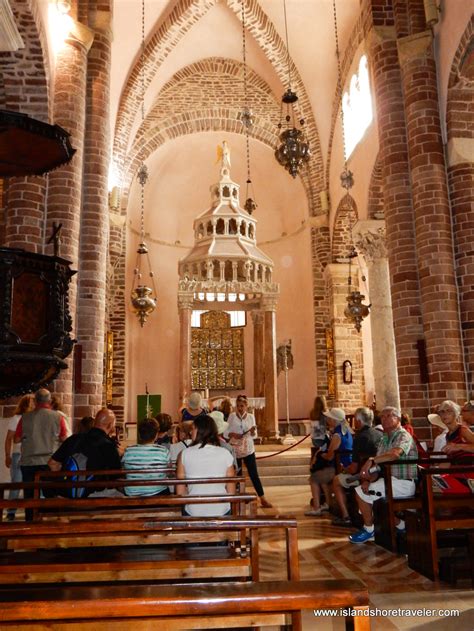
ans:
(460, 178)
(434, 242)
(398, 209)
(185, 311)
(94, 222)
(258, 361)
(370, 241)
(347, 341)
(65, 183)
(270, 428)
(24, 213)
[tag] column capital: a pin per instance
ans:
(460, 151)
(414, 46)
(338, 274)
(269, 303)
(377, 35)
(257, 318)
(370, 239)
(185, 301)
(81, 34)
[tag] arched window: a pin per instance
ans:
(357, 107)
(220, 226)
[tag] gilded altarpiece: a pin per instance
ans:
(217, 354)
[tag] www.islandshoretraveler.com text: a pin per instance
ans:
(388, 613)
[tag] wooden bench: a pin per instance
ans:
(42, 552)
(142, 607)
(385, 510)
(437, 514)
(241, 503)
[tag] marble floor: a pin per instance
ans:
(325, 552)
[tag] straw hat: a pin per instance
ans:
(337, 414)
(435, 419)
(221, 424)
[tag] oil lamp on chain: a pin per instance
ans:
(143, 298)
(355, 310)
(293, 152)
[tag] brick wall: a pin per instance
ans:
(346, 217)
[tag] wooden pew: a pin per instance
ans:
(437, 514)
(385, 509)
(67, 556)
(142, 607)
(66, 506)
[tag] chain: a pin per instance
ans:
(143, 61)
(247, 116)
(287, 46)
(339, 82)
(142, 170)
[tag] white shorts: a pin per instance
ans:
(376, 490)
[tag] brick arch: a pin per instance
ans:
(24, 74)
(461, 86)
(346, 216)
(165, 38)
(193, 122)
(170, 115)
(375, 201)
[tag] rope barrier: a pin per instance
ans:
(277, 453)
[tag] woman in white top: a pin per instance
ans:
(205, 459)
(12, 450)
(240, 432)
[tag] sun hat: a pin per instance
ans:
(194, 401)
(337, 414)
(435, 419)
(221, 424)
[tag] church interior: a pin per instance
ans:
(261, 197)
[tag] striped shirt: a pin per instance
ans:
(151, 457)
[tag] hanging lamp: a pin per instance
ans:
(293, 151)
(143, 298)
(355, 310)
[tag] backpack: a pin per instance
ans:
(77, 462)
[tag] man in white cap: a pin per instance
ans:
(397, 444)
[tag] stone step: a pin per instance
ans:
(277, 480)
(272, 463)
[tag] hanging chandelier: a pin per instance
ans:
(143, 298)
(293, 152)
(247, 121)
(355, 310)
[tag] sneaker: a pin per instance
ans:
(342, 521)
(324, 507)
(361, 536)
(317, 512)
